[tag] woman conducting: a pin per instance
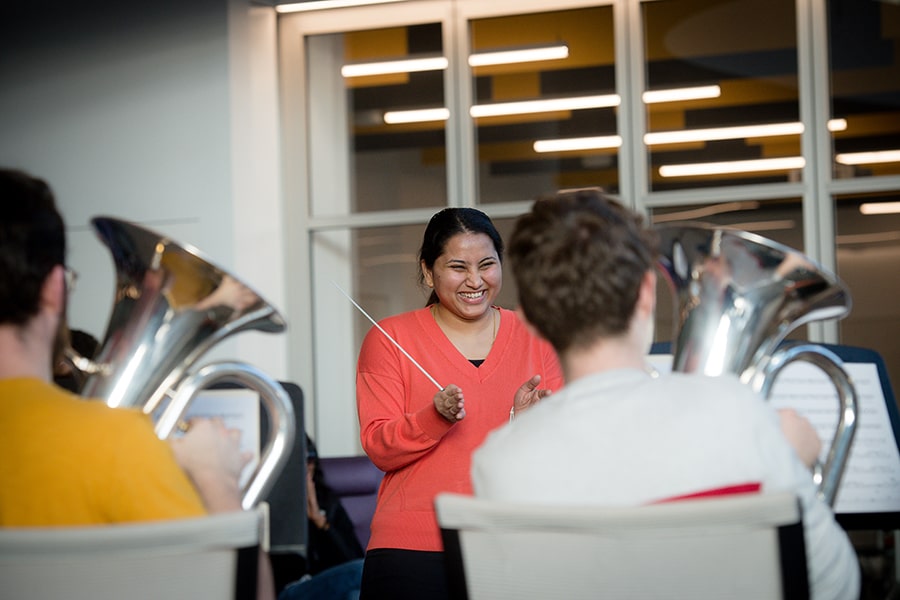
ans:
(421, 433)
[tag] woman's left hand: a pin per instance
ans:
(528, 394)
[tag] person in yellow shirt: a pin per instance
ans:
(68, 461)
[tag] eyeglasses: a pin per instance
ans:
(71, 279)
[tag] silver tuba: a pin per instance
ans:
(737, 295)
(171, 306)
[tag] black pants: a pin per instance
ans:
(392, 574)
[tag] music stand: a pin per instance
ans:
(287, 498)
(858, 519)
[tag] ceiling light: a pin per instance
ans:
(722, 133)
(679, 94)
(837, 124)
(879, 208)
(519, 55)
(438, 63)
(406, 65)
(734, 166)
(865, 158)
(323, 4)
(538, 106)
(584, 143)
(392, 117)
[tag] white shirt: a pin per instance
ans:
(624, 438)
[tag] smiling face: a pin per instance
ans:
(467, 276)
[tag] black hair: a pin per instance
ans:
(443, 226)
(32, 243)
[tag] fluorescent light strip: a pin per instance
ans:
(612, 100)
(866, 158)
(325, 4)
(736, 166)
(411, 65)
(879, 208)
(416, 116)
(722, 133)
(680, 94)
(585, 143)
(521, 55)
(733, 133)
(538, 106)
(507, 108)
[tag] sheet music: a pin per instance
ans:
(239, 408)
(871, 479)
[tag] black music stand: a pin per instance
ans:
(287, 498)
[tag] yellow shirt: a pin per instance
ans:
(65, 460)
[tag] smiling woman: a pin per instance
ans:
(488, 363)
(465, 278)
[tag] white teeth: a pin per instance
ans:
(472, 295)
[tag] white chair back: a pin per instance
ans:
(214, 557)
(736, 547)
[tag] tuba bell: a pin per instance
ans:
(171, 306)
(737, 296)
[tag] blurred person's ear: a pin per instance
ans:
(646, 302)
(53, 290)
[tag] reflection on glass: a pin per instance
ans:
(868, 259)
(524, 112)
(864, 43)
(777, 220)
(746, 129)
(391, 165)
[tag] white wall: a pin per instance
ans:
(164, 113)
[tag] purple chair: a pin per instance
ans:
(355, 480)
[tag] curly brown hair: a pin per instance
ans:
(578, 259)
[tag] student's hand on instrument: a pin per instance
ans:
(801, 435)
(528, 395)
(211, 455)
(450, 403)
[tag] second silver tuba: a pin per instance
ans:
(171, 306)
(737, 296)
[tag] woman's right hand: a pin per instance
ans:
(449, 402)
(801, 435)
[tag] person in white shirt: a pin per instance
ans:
(615, 434)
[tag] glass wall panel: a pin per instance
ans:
(777, 220)
(868, 258)
(392, 163)
(566, 135)
(864, 43)
(721, 95)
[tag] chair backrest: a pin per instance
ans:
(355, 479)
(214, 557)
(748, 546)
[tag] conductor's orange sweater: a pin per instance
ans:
(422, 453)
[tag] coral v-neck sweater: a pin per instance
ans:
(422, 453)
